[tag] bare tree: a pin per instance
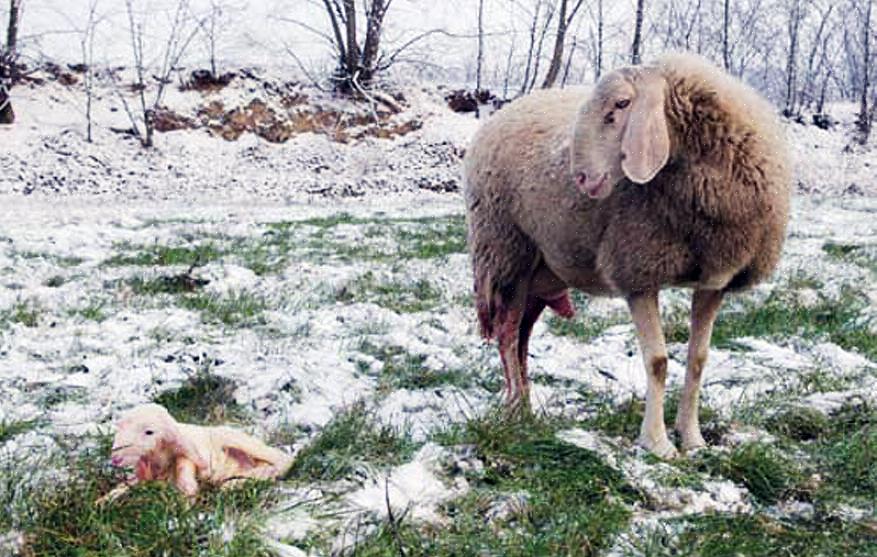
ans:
(87, 46)
(357, 66)
(726, 20)
(177, 43)
(795, 15)
(480, 45)
(598, 65)
(8, 62)
(636, 48)
(563, 22)
(865, 117)
(532, 46)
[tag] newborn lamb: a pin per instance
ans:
(149, 440)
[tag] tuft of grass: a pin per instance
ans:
(165, 284)
(59, 260)
(848, 451)
(160, 256)
(55, 281)
(12, 428)
(799, 423)
(62, 517)
(203, 398)
(571, 502)
(835, 320)
(403, 370)
(861, 255)
(350, 439)
(93, 311)
(26, 312)
(414, 297)
(234, 308)
(720, 535)
(768, 474)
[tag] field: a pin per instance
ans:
(343, 331)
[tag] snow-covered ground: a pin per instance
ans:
(324, 241)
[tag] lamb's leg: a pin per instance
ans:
(704, 308)
(646, 318)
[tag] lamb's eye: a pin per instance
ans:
(622, 104)
(148, 432)
(609, 118)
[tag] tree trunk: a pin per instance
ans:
(792, 62)
(598, 67)
(480, 61)
(557, 56)
(12, 29)
(864, 116)
(532, 46)
(7, 116)
(352, 55)
(374, 26)
(726, 52)
(572, 50)
(636, 52)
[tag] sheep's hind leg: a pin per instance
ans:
(646, 318)
(704, 308)
(508, 332)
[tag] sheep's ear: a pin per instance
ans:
(646, 142)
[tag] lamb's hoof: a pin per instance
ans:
(661, 448)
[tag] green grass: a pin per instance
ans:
(234, 308)
(861, 255)
(25, 312)
(798, 423)
(723, 535)
(848, 452)
(764, 470)
(400, 297)
(93, 311)
(573, 503)
(12, 428)
(160, 255)
(776, 317)
(582, 327)
(59, 260)
(165, 284)
(402, 370)
(352, 438)
(203, 398)
(60, 516)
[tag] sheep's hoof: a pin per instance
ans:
(692, 441)
(661, 448)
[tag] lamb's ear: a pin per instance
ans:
(646, 142)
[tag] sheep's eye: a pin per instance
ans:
(622, 104)
(148, 432)
(609, 118)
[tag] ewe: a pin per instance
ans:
(671, 174)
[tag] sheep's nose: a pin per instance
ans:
(116, 461)
(581, 179)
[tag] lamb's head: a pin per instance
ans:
(147, 431)
(621, 131)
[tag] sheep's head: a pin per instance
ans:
(621, 131)
(148, 434)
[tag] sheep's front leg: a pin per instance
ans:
(647, 319)
(704, 308)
